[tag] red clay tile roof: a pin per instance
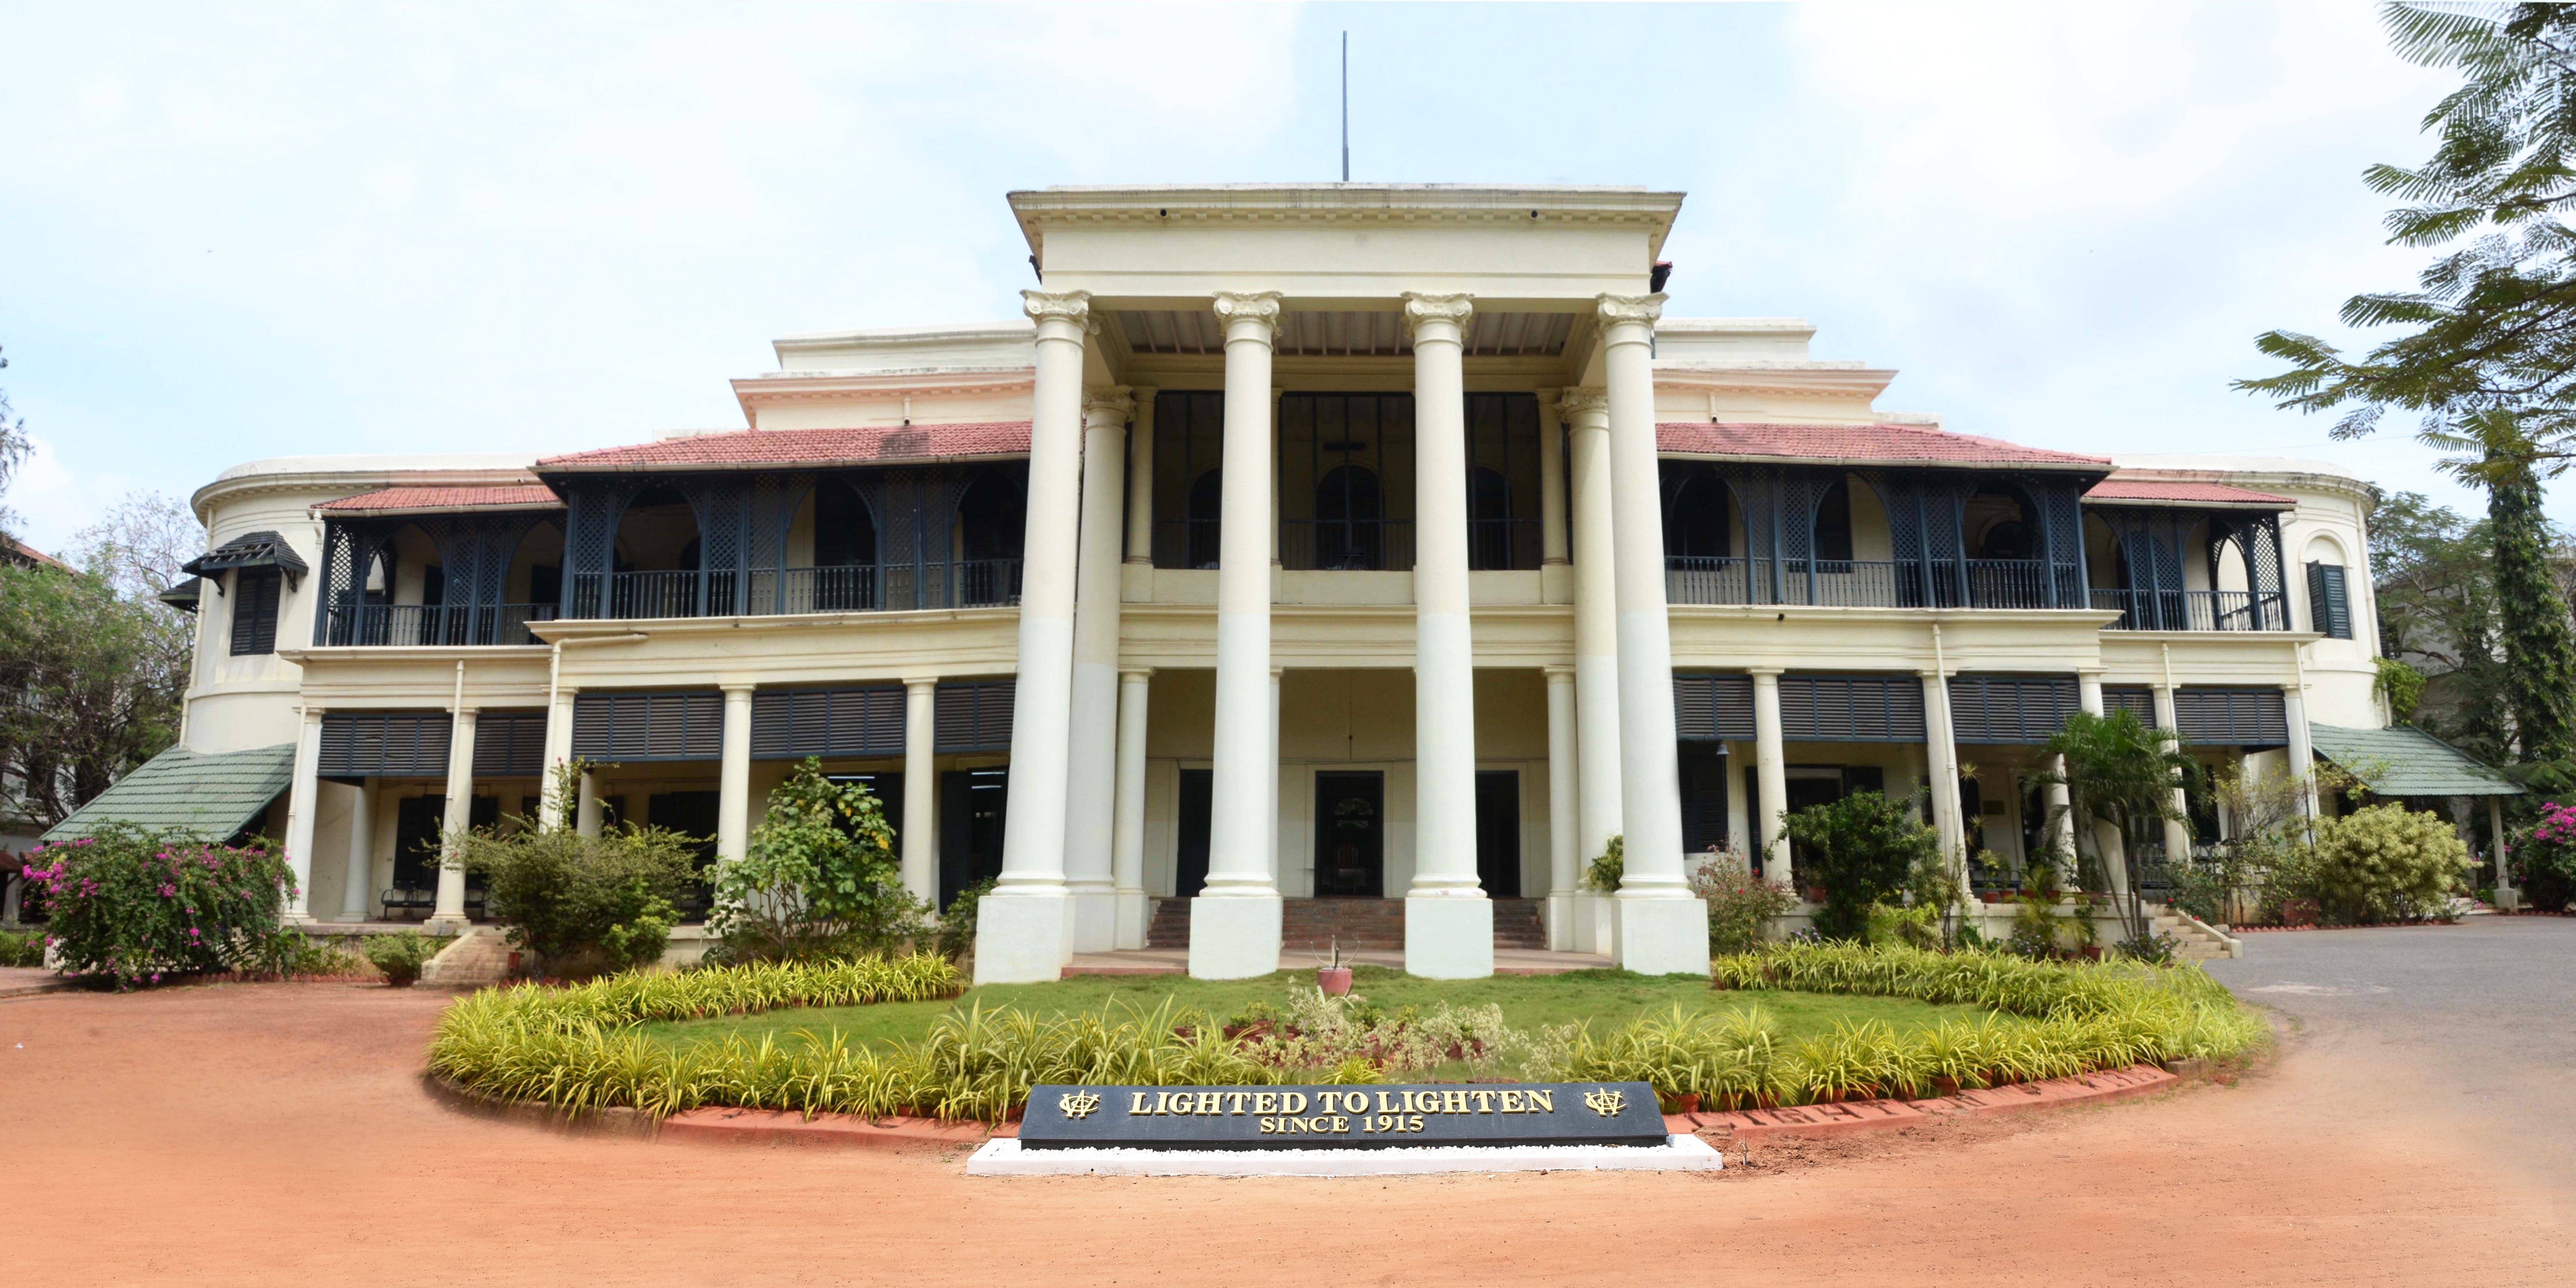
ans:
(1908, 444)
(525, 496)
(740, 449)
(2118, 488)
(15, 551)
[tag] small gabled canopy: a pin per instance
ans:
(210, 795)
(183, 595)
(250, 550)
(2406, 761)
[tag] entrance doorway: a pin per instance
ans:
(1198, 792)
(1498, 832)
(1350, 834)
(970, 827)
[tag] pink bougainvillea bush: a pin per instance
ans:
(139, 907)
(2544, 859)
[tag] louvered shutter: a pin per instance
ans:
(974, 715)
(2250, 718)
(360, 744)
(255, 611)
(510, 744)
(624, 728)
(790, 724)
(1851, 708)
(2137, 700)
(2329, 603)
(2009, 709)
(1713, 708)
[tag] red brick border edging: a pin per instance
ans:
(1756, 1125)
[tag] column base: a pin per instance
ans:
(2508, 899)
(1133, 913)
(1559, 915)
(1095, 921)
(348, 918)
(1446, 937)
(446, 925)
(1020, 938)
(1595, 929)
(1234, 937)
(1661, 936)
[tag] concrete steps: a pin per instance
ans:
(2199, 942)
(475, 958)
(1314, 925)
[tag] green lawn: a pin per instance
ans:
(1528, 1001)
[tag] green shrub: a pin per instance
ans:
(2388, 863)
(22, 948)
(137, 906)
(1741, 904)
(820, 879)
(1603, 874)
(956, 935)
(1912, 925)
(401, 956)
(1860, 849)
(583, 904)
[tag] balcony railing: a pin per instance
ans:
(850, 588)
(433, 624)
(2195, 610)
(1857, 583)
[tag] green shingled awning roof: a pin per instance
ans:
(2406, 761)
(211, 795)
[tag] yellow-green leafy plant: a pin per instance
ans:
(2388, 863)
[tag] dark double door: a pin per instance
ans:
(1350, 833)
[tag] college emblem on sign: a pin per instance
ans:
(1605, 1102)
(1077, 1104)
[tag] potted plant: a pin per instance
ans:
(1331, 975)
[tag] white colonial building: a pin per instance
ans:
(1301, 544)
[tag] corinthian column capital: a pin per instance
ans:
(1617, 309)
(1248, 307)
(1422, 310)
(1109, 404)
(1581, 401)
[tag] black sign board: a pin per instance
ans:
(1383, 1117)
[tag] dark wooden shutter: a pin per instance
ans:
(622, 728)
(2251, 718)
(2002, 709)
(358, 744)
(510, 744)
(974, 715)
(790, 724)
(1851, 708)
(2329, 603)
(255, 611)
(1713, 708)
(2138, 700)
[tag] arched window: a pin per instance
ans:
(1207, 509)
(1694, 513)
(656, 557)
(845, 550)
(1489, 519)
(992, 521)
(1833, 523)
(1350, 520)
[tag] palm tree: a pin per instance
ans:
(2119, 775)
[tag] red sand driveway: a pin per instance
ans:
(277, 1134)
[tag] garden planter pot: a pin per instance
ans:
(2299, 912)
(1334, 980)
(1686, 1104)
(1815, 894)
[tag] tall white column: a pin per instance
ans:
(921, 789)
(1941, 764)
(1090, 807)
(550, 805)
(733, 776)
(1596, 652)
(358, 878)
(1140, 479)
(1551, 477)
(2177, 831)
(1234, 922)
(447, 912)
(1278, 676)
(1448, 921)
(1021, 928)
(1127, 853)
(1771, 775)
(1663, 928)
(2507, 895)
(1564, 806)
(303, 800)
(587, 812)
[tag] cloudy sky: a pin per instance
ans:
(236, 232)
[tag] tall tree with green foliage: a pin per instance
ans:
(2487, 357)
(14, 450)
(2435, 584)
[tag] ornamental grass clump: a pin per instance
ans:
(138, 907)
